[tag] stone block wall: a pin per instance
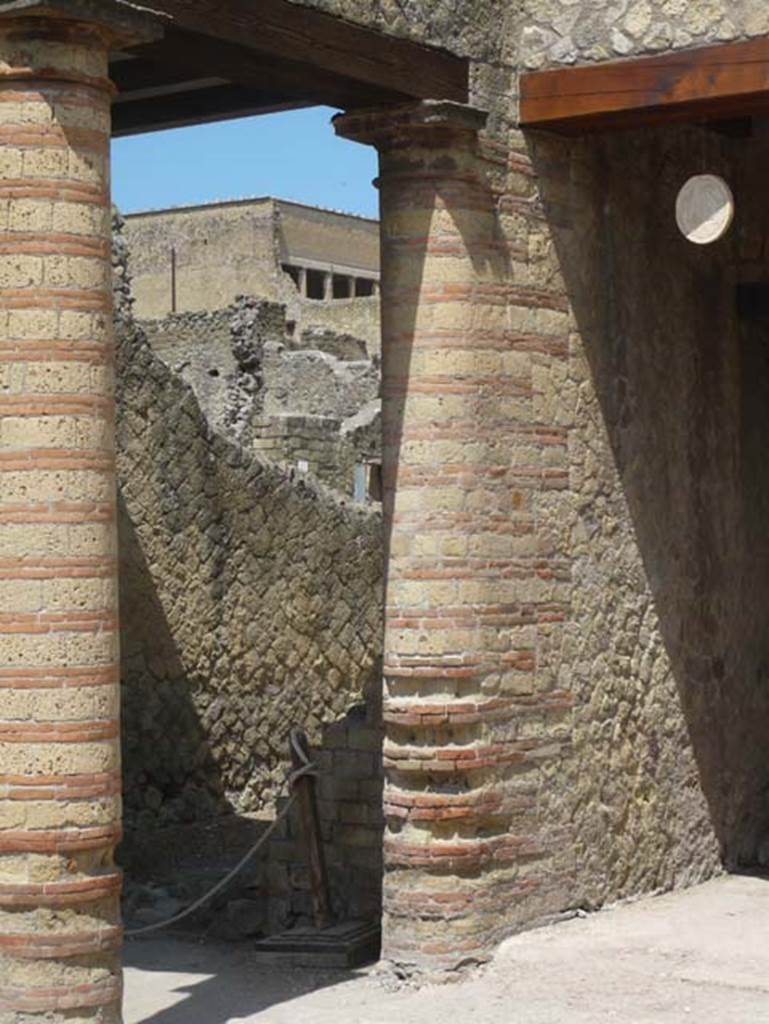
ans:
(665, 648)
(560, 32)
(349, 789)
(198, 347)
(307, 444)
(359, 317)
(251, 602)
(310, 400)
(314, 383)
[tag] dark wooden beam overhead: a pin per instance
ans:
(144, 77)
(195, 106)
(193, 54)
(730, 80)
(322, 48)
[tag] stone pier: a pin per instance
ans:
(59, 698)
(463, 460)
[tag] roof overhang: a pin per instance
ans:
(219, 59)
(710, 84)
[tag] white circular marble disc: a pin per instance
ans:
(705, 209)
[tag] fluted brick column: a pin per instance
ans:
(59, 697)
(467, 576)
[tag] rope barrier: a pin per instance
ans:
(308, 768)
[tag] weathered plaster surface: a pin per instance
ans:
(462, 26)
(566, 32)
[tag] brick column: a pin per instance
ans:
(59, 695)
(462, 846)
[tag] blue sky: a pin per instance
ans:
(293, 155)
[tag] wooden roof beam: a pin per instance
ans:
(195, 54)
(193, 106)
(315, 42)
(725, 81)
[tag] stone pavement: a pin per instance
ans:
(701, 955)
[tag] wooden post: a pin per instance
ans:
(304, 788)
(173, 279)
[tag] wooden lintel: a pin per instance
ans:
(196, 54)
(726, 81)
(323, 45)
(146, 78)
(196, 106)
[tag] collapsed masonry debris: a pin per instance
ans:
(310, 403)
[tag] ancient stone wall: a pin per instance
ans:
(315, 383)
(310, 235)
(638, 571)
(202, 258)
(667, 389)
(198, 347)
(662, 402)
(557, 31)
(315, 408)
(359, 317)
(251, 602)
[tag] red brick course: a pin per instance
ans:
(57, 513)
(62, 894)
(58, 841)
(55, 947)
(81, 300)
(60, 787)
(51, 678)
(58, 732)
(102, 993)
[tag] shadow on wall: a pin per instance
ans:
(169, 773)
(251, 602)
(682, 388)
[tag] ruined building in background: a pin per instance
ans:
(192, 258)
(251, 599)
(270, 311)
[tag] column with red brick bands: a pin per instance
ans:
(59, 694)
(470, 580)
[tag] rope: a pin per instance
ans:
(308, 768)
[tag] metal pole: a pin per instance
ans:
(173, 279)
(304, 787)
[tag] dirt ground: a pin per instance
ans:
(700, 956)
